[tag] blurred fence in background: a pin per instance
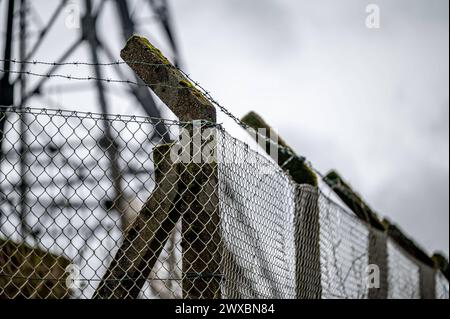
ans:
(84, 215)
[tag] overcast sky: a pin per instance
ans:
(371, 103)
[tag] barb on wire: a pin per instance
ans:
(73, 63)
(207, 94)
(201, 88)
(85, 78)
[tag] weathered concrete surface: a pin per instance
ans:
(168, 83)
(197, 186)
(27, 272)
(145, 239)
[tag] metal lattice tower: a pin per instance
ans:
(19, 22)
(26, 37)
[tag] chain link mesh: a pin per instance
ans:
(257, 206)
(403, 275)
(344, 257)
(442, 287)
(94, 206)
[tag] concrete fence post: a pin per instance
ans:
(378, 255)
(441, 263)
(306, 219)
(198, 184)
(427, 281)
(144, 240)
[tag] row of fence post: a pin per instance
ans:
(308, 270)
(183, 190)
(189, 191)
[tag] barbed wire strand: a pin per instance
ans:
(206, 93)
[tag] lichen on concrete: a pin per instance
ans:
(151, 48)
(18, 261)
(441, 263)
(167, 82)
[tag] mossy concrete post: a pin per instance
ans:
(197, 188)
(306, 220)
(144, 240)
(378, 254)
(307, 242)
(427, 281)
(441, 263)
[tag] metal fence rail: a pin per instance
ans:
(82, 216)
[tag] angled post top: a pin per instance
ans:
(166, 81)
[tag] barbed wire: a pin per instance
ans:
(76, 63)
(86, 78)
(201, 88)
(206, 93)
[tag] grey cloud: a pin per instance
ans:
(372, 104)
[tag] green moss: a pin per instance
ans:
(386, 223)
(253, 120)
(151, 48)
(194, 90)
(333, 176)
(301, 173)
(439, 260)
(175, 84)
(296, 168)
(441, 263)
(20, 260)
(186, 84)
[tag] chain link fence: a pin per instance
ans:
(96, 206)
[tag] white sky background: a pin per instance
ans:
(372, 103)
